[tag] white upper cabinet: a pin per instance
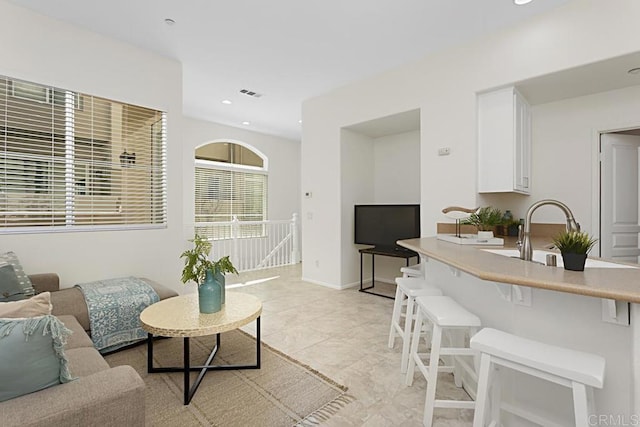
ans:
(504, 142)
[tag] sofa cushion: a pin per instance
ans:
(31, 355)
(14, 283)
(78, 337)
(114, 397)
(37, 305)
(71, 301)
(85, 361)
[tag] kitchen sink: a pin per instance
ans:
(540, 256)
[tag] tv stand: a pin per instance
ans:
(391, 251)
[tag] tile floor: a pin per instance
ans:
(344, 334)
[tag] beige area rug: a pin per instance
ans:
(283, 392)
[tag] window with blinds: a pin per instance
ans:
(223, 192)
(74, 161)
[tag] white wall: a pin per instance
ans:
(444, 87)
(357, 177)
(283, 162)
(397, 180)
(48, 51)
(397, 168)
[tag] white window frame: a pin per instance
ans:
(251, 231)
(155, 194)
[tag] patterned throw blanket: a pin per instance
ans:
(114, 310)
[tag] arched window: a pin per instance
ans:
(230, 181)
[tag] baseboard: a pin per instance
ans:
(346, 285)
(325, 284)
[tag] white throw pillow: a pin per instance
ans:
(38, 305)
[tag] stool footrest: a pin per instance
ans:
(456, 351)
(463, 404)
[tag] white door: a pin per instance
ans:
(619, 197)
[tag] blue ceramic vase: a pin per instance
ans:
(219, 277)
(210, 294)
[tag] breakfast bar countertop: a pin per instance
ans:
(621, 284)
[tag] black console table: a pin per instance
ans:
(396, 252)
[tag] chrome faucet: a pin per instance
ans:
(525, 247)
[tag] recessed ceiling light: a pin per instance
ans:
(299, 121)
(634, 70)
(226, 102)
(521, 2)
(246, 123)
(169, 21)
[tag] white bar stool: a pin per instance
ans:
(407, 290)
(416, 270)
(444, 314)
(574, 369)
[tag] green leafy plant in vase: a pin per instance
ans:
(574, 247)
(485, 220)
(206, 273)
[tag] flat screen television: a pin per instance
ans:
(383, 225)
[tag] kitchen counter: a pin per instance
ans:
(622, 284)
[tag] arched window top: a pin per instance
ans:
(233, 153)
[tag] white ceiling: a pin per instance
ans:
(286, 50)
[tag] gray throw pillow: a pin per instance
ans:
(10, 288)
(31, 355)
(14, 283)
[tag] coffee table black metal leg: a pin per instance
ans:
(187, 371)
(149, 353)
(258, 342)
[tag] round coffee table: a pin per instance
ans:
(180, 317)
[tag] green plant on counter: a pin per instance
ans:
(574, 242)
(197, 262)
(485, 219)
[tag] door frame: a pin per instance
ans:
(595, 175)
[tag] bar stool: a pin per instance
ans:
(416, 270)
(574, 369)
(443, 314)
(407, 289)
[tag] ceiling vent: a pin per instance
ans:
(251, 93)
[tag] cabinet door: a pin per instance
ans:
(522, 144)
(496, 141)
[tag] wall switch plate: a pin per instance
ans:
(444, 151)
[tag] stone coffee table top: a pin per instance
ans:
(180, 317)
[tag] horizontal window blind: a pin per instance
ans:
(222, 193)
(71, 160)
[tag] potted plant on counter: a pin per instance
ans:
(485, 219)
(207, 274)
(574, 247)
